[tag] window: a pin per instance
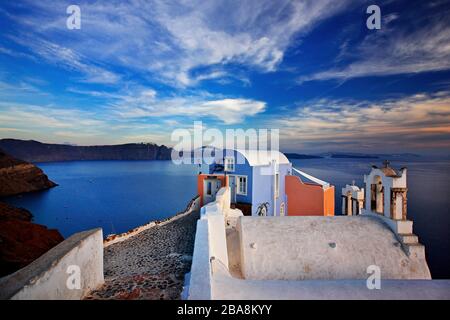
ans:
(242, 185)
(208, 188)
(229, 164)
(277, 185)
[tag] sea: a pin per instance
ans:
(121, 195)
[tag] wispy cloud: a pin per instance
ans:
(68, 59)
(394, 50)
(139, 68)
(418, 121)
(131, 115)
(36, 116)
(171, 40)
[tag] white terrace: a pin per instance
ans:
(237, 257)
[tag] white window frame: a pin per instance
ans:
(238, 185)
(227, 161)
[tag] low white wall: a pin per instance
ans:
(201, 277)
(49, 277)
(218, 238)
(397, 226)
(236, 289)
(210, 244)
(193, 205)
(223, 198)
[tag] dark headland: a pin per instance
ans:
(35, 151)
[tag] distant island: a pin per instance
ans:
(349, 155)
(342, 155)
(35, 151)
(353, 156)
(301, 156)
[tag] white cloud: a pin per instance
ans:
(26, 116)
(138, 115)
(421, 121)
(145, 103)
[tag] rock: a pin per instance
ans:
(8, 212)
(126, 295)
(21, 241)
(17, 176)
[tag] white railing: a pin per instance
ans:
(324, 184)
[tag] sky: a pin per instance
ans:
(137, 70)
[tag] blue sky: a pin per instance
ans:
(136, 70)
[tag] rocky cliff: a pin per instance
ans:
(22, 241)
(17, 176)
(34, 151)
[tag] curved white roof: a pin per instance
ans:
(263, 158)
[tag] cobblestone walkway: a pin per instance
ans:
(151, 264)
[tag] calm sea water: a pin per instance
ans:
(114, 195)
(121, 195)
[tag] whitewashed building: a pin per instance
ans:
(352, 200)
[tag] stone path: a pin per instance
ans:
(150, 264)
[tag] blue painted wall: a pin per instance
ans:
(262, 192)
(242, 169)
(260, 186)
(264, 187)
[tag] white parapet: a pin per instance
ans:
(210, 245)
(397, 226)
(201, 277)
(68, 271)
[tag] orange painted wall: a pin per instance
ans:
(329, 201)
(202, 177)
(307, 199)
